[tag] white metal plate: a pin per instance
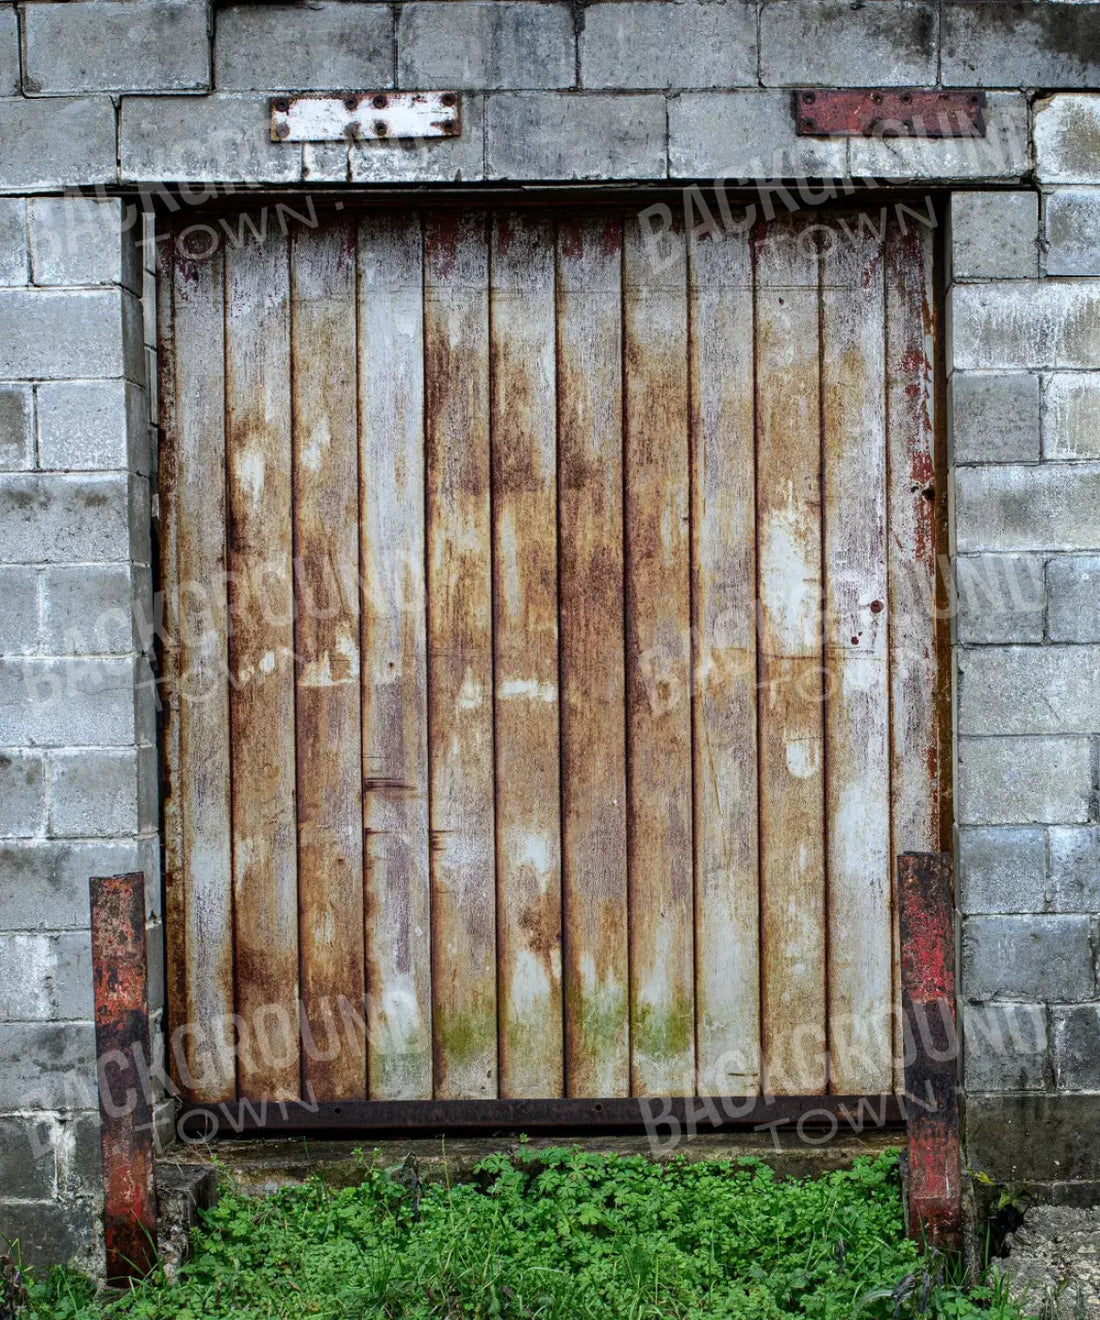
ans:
(365, 116)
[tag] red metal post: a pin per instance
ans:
(120, 973)
(926, 911)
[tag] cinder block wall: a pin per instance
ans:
(120, 96)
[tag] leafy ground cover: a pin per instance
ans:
(554, 1235)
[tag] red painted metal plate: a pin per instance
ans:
(889, 112)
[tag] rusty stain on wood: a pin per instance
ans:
(204, 790)
(525, 637)
(326, 544)
(395, 662)
(121, 985)
(788, 495)
(857, 738)
(504, 599)
(261, 653)
(593, 698)
(658, 681)
(460, 651)
(723, 523)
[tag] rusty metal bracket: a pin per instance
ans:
(926, 912)
(889, 112)
(365, 117)
(121, 979)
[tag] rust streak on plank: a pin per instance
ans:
(593, 702)
(204, 784)
(525, 632)
(659, 819)
(261, 649)
(395, 679)
(857, 711)
(329, 765)
(788, 493)
(460, 665)
(724, 666)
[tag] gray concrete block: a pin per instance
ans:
(16, 428)
(994, 417)
(19, 633)
(1032, 958)
(54, 334)
(28, 1161)
(55, 518)
(1072, 230)
(650, 43)
(14, 264)
(87, 610)
(44, 883)
(148, 788)
(746, 135)
(1067, 139)
(80, 1156)
(1073, 590)
(485, 44)
(566, 135)
(1075, 868)
(66, 703)
(116, 46)
(994, 235)
(9, 52)
(50, 1232)
(324, 46)
(1023, 781)
(224, 138)
(141, 520)
(47, 978)
(814, 42)
(1029, 690)
(1048, 507)
(431, 160)
(47, 1065)
(1020, 45)
(327, 162)
(1001, 598)
(1077, 1047)
(84, 241)
(1005, 1047)
(93, 793)
(1002, 869)
(91, 426)
(1001, 154)
(22, 794)
(1071, 415)
(55, 143)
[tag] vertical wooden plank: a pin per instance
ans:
(593, 699)
(460, 668)
(791, 802)
(857, 755)
(658, 623)
(525, 632)
(204, 785)
(261, 649)
(329, 765)
(395, 678)
(915, 771)
(167, 658)
(723, 520)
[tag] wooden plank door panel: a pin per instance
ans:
(551, 665)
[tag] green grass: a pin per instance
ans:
(557, 1235)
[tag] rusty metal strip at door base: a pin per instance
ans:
(678, 1115)
(889, 112)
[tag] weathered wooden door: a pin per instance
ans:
(549, 658)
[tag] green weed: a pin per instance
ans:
(556, 1235)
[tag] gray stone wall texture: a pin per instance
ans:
(118, 97)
